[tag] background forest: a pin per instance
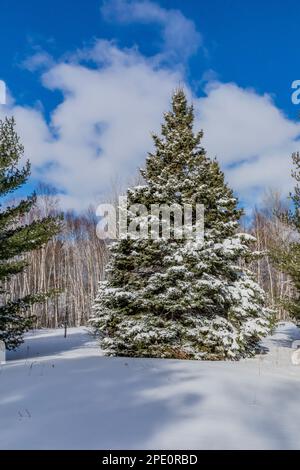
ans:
(74, 260)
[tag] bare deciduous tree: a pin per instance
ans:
(72, 264)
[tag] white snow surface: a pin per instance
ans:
(58, 393)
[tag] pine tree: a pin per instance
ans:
(287, 256)
(182, 297)
(17, 238)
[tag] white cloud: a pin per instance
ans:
(39, 60)
(180, 36)
(102, 126)
(250, 136)
(2, 92)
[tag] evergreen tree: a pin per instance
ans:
(17, 238)
(182, 297)
(287, 256)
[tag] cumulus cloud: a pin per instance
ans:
(2, 92)
(179, 34)
(102, 126)
(37, 61)
(249, 135)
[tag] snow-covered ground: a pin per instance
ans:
(58, 393)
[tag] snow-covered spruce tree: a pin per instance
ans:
(182, 298)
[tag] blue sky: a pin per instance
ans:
(77, 70)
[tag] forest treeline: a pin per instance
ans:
(73, 262)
